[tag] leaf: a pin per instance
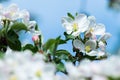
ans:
(60, 67)
(13, 40)
(12, 34)
(62, 54)
(30, 47)
(14, 44)
(70, 15)
(19, 26)
(48, 44)
(1, 55)
(62, 41)
(36, 27)
(69, 36)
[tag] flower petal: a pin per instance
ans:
(78, 44)
(66, 20)
(91, 43)
(100, 29)
(13, 8)
(82, 21)
(92, 20)
(101, 45)
(104, 37)
(92, 53)
(81, 18)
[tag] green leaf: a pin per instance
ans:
(52, 45)
(19, 26)
(48, 44)
(36, 27)
(12, 34)
(13, 41)
(14, 44)
(61, 41)
(60, 67)
(30, 47)
(69, 36)
(70, 15)
(1, 55)
(63, 54)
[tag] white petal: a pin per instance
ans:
(81, 18)
(24, 14)
(100, 53)
(105, 37)
(78, 44)
(100, 29)
(66, 20)
(92, 19)
(101, 45)
(13, 8)
(82, 21)
(68, 28)
(91, 43)
(77, 33)
(99, 77)
(92, 53)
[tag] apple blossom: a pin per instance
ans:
(76, 26)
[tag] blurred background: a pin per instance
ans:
(48, 15)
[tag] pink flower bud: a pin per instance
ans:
(35, 38)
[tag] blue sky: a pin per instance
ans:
(48, 14)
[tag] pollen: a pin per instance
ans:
(38, 73)
(87, 48)
(91, 29)
(75, 27)
(13, 77)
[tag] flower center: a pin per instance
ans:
(38, 73)
(75, 27)
(91, 29)
(87, 48)
(13, 77)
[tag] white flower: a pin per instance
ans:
(76, 26)
(25, 16)
(25, 66)
(94, 28)
(11, 12)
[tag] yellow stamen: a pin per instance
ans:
(38, 73)
(75, 27)
(91, 29)
(13, 77)
(87, 48)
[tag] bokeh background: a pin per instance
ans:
(48, 15)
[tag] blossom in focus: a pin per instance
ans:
(76, 26)
(89, 48)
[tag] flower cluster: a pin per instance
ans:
(46, 59)
(25, 66)
(88, 36)
(12, 22)
(13, 14)
(98, 70)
